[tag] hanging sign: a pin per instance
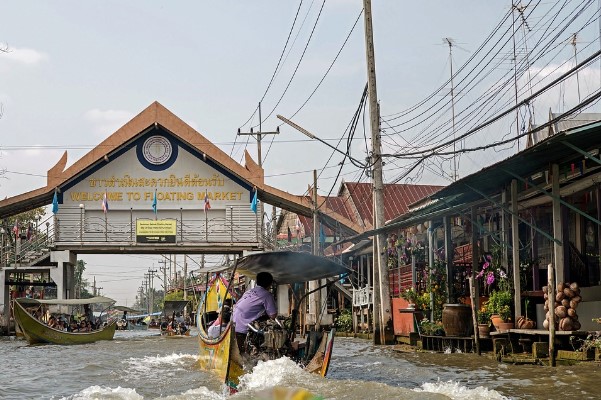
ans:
(156, 231)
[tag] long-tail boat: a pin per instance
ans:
(37, 331)
(266, 340)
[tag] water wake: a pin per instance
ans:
(456, 391)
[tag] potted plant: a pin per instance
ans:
(483, 322)
(523, 322)
(411, 296)
(497, 282)
(499, 305)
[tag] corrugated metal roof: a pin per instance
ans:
(397, 198)
(492, 179)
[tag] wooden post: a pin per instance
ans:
(474, 316)
(551, 298)
(430, 262)
(558, 263)
(515, 246)
(448, 251)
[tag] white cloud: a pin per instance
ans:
(106, 122)
(22, 55)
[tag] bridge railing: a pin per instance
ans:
(234, 227)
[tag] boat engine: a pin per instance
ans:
(267, 340)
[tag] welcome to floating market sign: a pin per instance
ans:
(130, 184)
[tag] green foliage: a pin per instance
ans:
(81, 291)
(344, 321)
(410, 295)
(500, 302)
(436, 285)
(484, 315)
(431, 328)
(175, 295)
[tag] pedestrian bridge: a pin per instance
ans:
(156, 186)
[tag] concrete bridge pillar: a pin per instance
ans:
(63, 275)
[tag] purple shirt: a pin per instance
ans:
(254, 303)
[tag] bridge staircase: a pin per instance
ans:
(27, 248)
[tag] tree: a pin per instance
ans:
(81, 291)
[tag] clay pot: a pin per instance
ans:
(496, 320)
(483, 330)
(505, 326)
(525, 323)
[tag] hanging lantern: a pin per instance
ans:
(413, 230)
(420, 228)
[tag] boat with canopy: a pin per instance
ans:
(30, 314)
(266, 339)
(174, 324)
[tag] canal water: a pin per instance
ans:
(142, 365)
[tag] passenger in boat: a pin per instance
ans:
(216, 329)
(52, 321)
(182, 329)
(253, 304)
(87, 311)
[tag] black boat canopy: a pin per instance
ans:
(174, 306)
(289, 266)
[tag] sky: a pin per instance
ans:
(74, 72)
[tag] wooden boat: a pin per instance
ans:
(221, 355)
(172, 310)
(36, 331)
(175, 335)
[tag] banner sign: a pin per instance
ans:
(156, 231)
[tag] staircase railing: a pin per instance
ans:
(28, 247)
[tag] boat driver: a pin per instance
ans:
(253, 304)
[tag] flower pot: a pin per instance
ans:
(483, 330)
(456, 320)
(496, 320)
(525, 323)
(505, 326)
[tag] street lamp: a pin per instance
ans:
(81, 211)
(2, 233)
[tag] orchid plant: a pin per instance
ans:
(492, 273)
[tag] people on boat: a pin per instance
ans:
(253, 304)
(88, 313)
(164, 325)
(224, 318)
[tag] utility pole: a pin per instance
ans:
(151, 273)
(174, 271)
(259, 137)
(146, 279)
(378, 184)
(164, 271)
(574, 38)
(314, 298)
(94, 286)
(449, 41)
(274, 229)
(185, 276)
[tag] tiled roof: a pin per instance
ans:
(397, 198)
